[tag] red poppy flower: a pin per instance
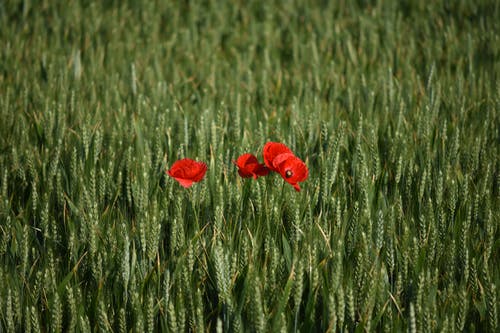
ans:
(292, 169)
(271, 151)
(187, 171)
(249, 166)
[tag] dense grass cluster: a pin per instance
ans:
(393, 105)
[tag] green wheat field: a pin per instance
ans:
(393, 105)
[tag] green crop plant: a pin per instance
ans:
(392, 105)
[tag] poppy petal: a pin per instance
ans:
(271, 150)
(184, 182)
(262, 170)
(187, 171)
(281, 158)
(198, 172)
(244, 174)
(293, 170)
(245, 159)
(249, 166)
